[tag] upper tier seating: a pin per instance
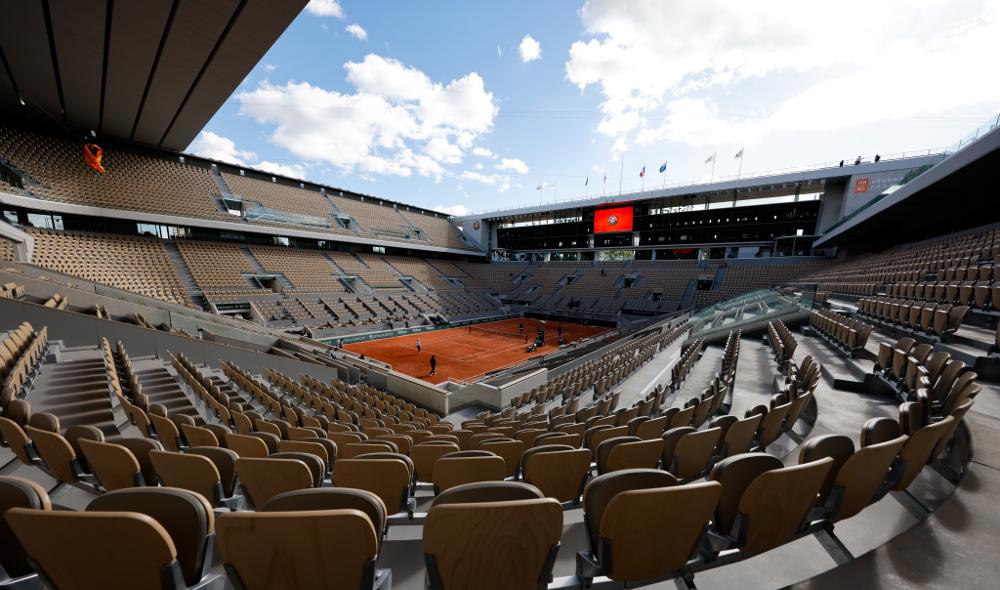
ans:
(130, 263)
(132, 181)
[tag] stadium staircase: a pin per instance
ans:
(355, 225)
(689, 292)
(224, 191)
(187, 279)
(258, 268)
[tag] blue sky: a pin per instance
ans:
(463, 106)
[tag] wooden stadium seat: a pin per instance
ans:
(917, 450)
(114, 465)
(452, 470)
(488, 491)
(510, 450)
(300, 446)
(331, 499)
(197, 436)
(71, 549)
(186, 516)
(16, 492)
(775, 505)
(389, 479)
(739, 436)
(559, 473)
(57, 453)
(692, 453)
(862, 477)
(246, 445)
(735, 473)
(425, 455)
(192, 472)
(315, 463)
(263, 478)
(648, 533)
(469, 545)
(288, 550)
(642, 454)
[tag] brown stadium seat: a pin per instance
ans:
(488, 491)
(838, 447)
(114, 465)
(453, 469)
(90, 537)
(195, 472)
(315, 463)
(692, 453)
(735, 473)
(323, 549)
(313, 448)
(262, 479)
(652, 428)
(862, 478)
(331, 499)
(468, 545)
(918, 448)
(424, 456)
(559, 472)
(197, 436)
(186, 516)
(509, 449)
(166, 432)
(641, 454)
(16, 492)
(247, 445)
(352, 450)
(776, 504)
(14, 436)
(648, 533)
(389, 479)
(57, 453)
(739, 436)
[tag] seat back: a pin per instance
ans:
(264, 478)
(469, 545)
(246, 445)
(330, 499)
(740, 435)
(16, 492)
(603, 488)
(389, 479)
(862, 475)
(649, 533)
(425, 455)
(488, 491)
(189, 472)
(836, 446)
(199, 437)
(693, 453)
(641, 454)
(114, 465)
(918, 448)
(776, 503)
(735, 474)
(186, 516)
(558, 474)
(72, 549)
(324, 549)
(450, 471)
(510, 450)
(56, 452)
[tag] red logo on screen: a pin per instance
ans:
(613, 220)
(475, 225)
(861, 185)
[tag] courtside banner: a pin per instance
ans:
(612, 220)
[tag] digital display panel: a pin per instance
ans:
(612, 220)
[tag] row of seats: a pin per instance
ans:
(681, 369)
(845, 332)
(926, 317)
(21, 353)
(919, 373)
(782, 341)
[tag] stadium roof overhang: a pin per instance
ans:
(755, 187)
(151, 72)
(958, 193)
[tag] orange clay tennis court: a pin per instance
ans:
(461, 355)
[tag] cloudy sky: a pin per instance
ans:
(464, 106)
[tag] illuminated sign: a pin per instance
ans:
(861, 185)
(613, 220)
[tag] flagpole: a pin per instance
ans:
(621, 173)
(604, 184)
(713, 166)
(740, 172)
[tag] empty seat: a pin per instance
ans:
(263, 478)
(492, 545)
(389, 479)
(558, 471)
(290, 550)
(114, 465)
(330, 499)
(16, 492)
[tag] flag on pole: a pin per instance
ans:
(586, 182)
(663, 167)
(539, 187)
(605, 176)
(642, 172)
(710, 159)
(739, 154)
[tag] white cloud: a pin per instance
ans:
(396, 122)
(529, 49)
(325, 8)
(270, 67)
(484, 152)
(290, 170)
(455, 210)
(513, 164)
(357, 31)
(499, 51)
(501, 180)
(682, 65)
(216, 147)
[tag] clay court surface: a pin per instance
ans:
(461, 355)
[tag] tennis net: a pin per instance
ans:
(499, 333)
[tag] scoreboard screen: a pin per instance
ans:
(612, 220)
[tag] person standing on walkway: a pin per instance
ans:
(434, 364)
